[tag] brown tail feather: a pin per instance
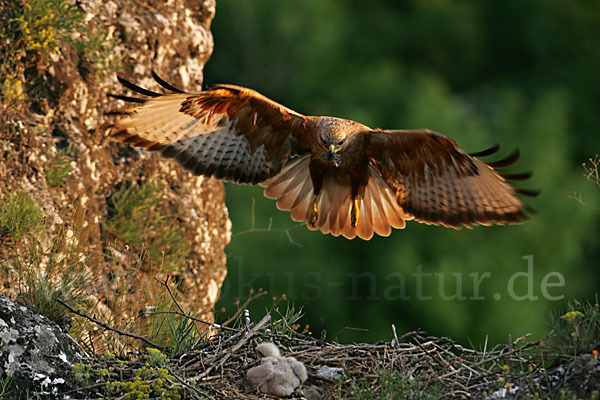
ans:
(365, 222)
(300, 208)
(381, 223)
(379, 210)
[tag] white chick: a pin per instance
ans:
(276, 375)
(268, 349)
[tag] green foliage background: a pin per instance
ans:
(518, 72)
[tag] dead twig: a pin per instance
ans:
(110, 328)
(182, 312)
(236, 347)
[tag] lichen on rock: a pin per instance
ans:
(35, 352)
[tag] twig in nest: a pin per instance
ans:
(235, 348)
(499, 356)
(395, 342)
(166, 285)
(182, 313)
(244, 306)
(110, 328)
(184, 383)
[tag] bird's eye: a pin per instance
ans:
(341, 142)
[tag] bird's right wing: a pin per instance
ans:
(437, 182)
(229, 132)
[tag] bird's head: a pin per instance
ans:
(267, 349)
(332, 136)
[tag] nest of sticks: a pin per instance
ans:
(412, 365)
(218, 366)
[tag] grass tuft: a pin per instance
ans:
(6, 391)
(41, 265)
(100, 50)
(54, 270)
(394, 385)
(19, 214)
(142, 222)
(59, 169)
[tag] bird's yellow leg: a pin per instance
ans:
(313, 211)
(354, 213)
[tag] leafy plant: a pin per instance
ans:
(577, 329)
(43, 24)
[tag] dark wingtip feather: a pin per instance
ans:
(119, 134)
(528, 192)
(155, 147)
(127, 98)
(517, 177)
(486, 152)
(508, 160)
(136, 88)
(118, 112)
(168, 151)
(164, 83)
(531, 212)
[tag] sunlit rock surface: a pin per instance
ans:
(68, 114)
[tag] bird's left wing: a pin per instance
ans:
(229, 132)
(437, 182)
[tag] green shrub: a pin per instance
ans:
(36, 29)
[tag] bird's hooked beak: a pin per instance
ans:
(332, 155)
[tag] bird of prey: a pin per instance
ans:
(337, 175)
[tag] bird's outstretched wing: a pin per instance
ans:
(436, 182)
(228, 132)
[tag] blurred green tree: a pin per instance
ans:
(520, 73)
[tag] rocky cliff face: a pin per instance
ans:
(126, 216)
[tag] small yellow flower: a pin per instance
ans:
(508, 385)
(595, 354)
(572, 316)
(505, 368)
(500, 379)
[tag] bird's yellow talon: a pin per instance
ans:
(354, 214)
(313, 213)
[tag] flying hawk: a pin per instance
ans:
(336, 175)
